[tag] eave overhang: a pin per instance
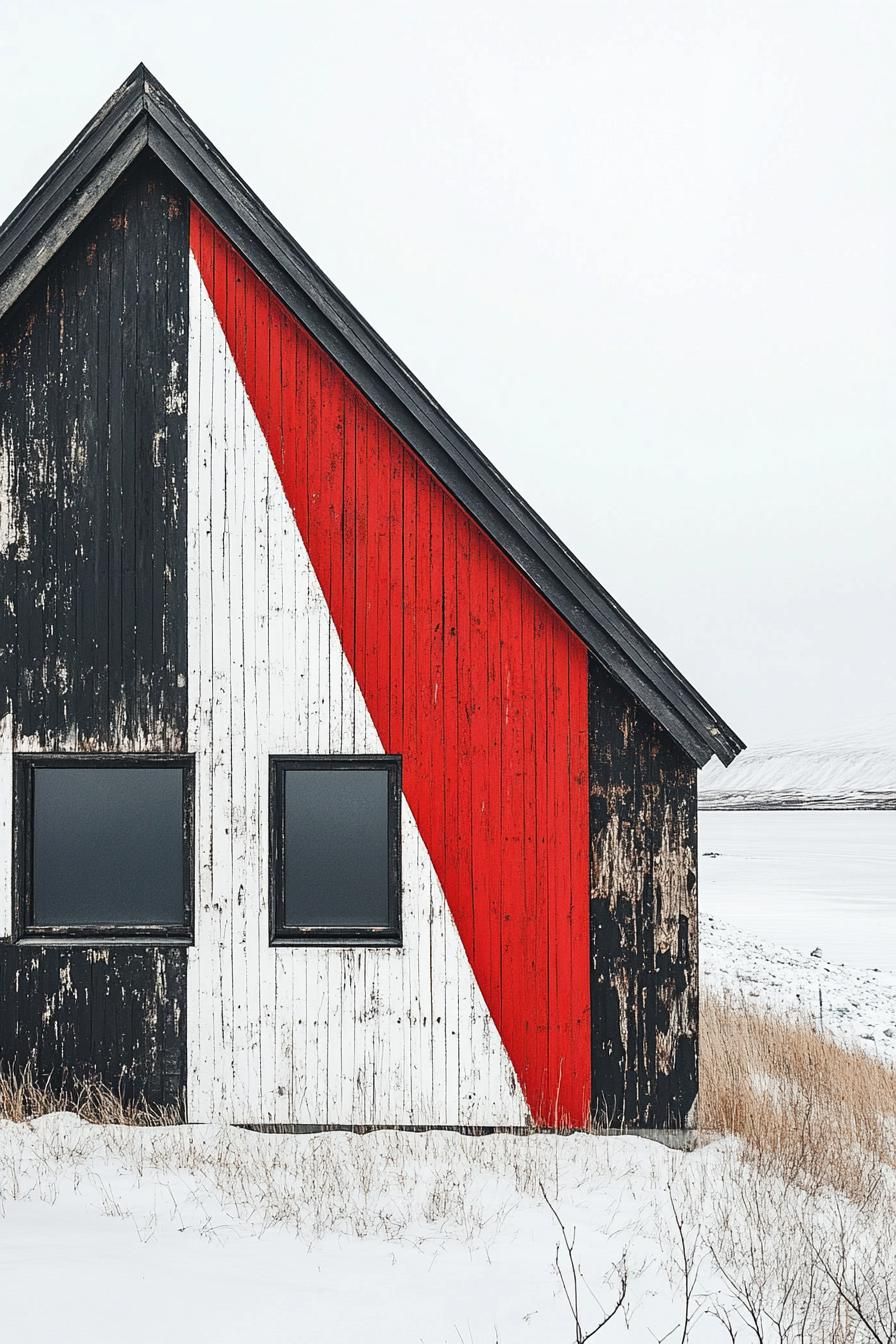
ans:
(142, 116)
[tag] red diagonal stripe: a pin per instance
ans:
(465, 669)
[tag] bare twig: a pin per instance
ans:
(865, 1293)
(687, 1257)
(571, 1289)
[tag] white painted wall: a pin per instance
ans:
(298, 1034)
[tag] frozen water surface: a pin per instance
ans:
(806, 880)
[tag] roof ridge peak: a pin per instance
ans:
(142, 114)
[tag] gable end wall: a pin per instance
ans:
(211, 542)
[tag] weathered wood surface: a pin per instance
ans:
(93, 483)
(93, 556)
(418, 634)
(644, 1000)
(297, 581)
(62, 225)
(115, 1014)
(313, 1035)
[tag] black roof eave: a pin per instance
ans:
(140, 115)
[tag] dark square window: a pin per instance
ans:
(103, 846)
(335, 849)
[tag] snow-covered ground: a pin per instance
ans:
(857, 1007)
(854, 770)
(396, 1238)
(776, 887)
(805, 880)
(206, 1234)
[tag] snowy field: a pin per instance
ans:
(778, 886)
(461, 1248)
(805, 880)
(858, 1008)
(205, 1234)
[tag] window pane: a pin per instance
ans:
(108, 846)
(336, 836)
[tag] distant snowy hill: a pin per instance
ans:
(841, 772)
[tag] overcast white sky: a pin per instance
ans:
(643, 253)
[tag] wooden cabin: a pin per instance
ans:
(333, 789)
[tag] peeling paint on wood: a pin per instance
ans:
(114, 1014)
(462, 667)
(311, 1034)
(305, 584)
(93, 611)
(643, 914)
(93, 480)
(6, 827)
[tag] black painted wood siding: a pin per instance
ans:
(644, 999)
(72, 1014)
(93, 585)
(93, 368)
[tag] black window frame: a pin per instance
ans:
(24, 929)
(291, 935)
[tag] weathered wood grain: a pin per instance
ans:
(93, 555)
(644, 1001)
(93, 480)
(89, 192)
(308, 1035)
(255, 562)
(115, 1014)
(438, 629)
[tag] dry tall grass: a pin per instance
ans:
(22, 1097)
(806, 1108)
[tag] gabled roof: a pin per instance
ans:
(142, 115)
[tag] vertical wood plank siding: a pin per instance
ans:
(644, 914)
(93, 572)
(92, 444)
(108, 1013)
(460, 665)
(309, 1034)
(211, 542)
